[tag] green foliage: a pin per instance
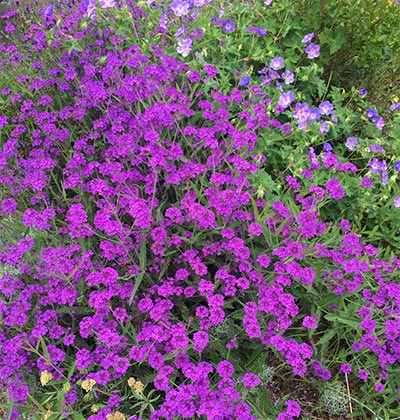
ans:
(360, 41)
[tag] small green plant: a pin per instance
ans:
(335, 400)
(267, 375)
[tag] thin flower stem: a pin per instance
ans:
(348, 393)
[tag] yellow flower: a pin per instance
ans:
(138, 387)
(131, 382)
(47, 415)
(94, 408)
(88, 384)
(116, 416)
(66, 387)
(45, 377)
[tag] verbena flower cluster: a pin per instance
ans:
(147, 264)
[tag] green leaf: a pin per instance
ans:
(142, 263)
(321, 87)
(342, 320)
(74, 45)
(327, 337)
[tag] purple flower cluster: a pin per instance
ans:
(151, 239)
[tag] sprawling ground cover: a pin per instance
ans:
(197, 221)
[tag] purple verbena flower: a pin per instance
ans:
(250, 380)
(225, 369)
(264, 260)
(255, 229)
(310, 322)
(345, 368)
(293, 183)
(194, 77)
(366, 183)
(9, 28)
(335, 190)
(210, 70)
(293, 408)
(9, 205)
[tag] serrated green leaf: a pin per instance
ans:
(327, 337)
(342, 320)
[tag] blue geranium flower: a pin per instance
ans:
(48, 11)
(312, 51)
(228, 26)
(244, 81)
(351, 143)
(371, 113)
